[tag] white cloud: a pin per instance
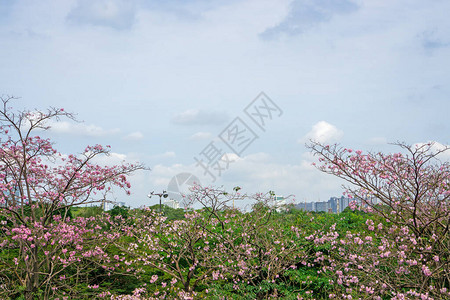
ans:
(110, 160)
(323, 132)
(258, 172)
(199, 117)
(436, 146)
(134, 136)
(162, 174)
(81, 129)
(230, 157)
(168, 154)
(259, 157)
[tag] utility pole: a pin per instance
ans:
(163, 194)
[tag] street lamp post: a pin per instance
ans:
(163, 194)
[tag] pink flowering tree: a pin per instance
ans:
(217, 247)
(254, 248)
(183, 250)
(172, 254)
(405, 252)
(38, 186)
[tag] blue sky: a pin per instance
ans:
(160, 80)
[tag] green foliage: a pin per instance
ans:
(307, 279)
(87, 211)
(66, 212)
(303, 279)
(169, 212)
(122, 211)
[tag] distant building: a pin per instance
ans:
(375, 200)
(322, 206)
(172, 203)
(338, 204)
(279, 202)
(108, 205)
(344, 202)
(333, 205)
(307, 206)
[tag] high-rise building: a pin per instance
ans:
(322, 206)
(343, 203)
(334, 205)
(307, 206)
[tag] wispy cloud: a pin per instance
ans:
(305, 14)
(200, 136)
(431, 40)
(111, 160)
(167, 154)
(134, 136)
(199, 117)
(81, 129)
(116, 14)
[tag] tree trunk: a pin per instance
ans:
(32, 279)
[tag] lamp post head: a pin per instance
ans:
(163, 194)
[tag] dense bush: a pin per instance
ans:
(235, 255)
